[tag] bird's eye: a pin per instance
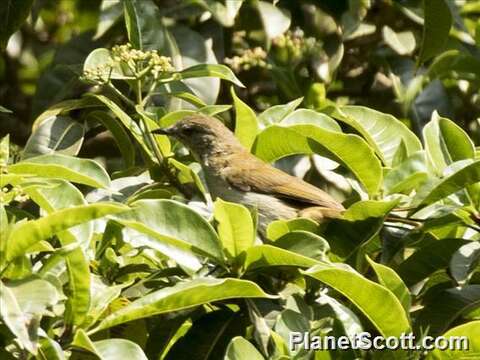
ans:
(188, 131)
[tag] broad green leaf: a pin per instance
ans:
(307, 116)
(144, 29)
(183, 296)
(57, 166)
(436, 28)
(278, 228)
(58, 134)
(262, 256)
(382, 131)
(453, 60)
(210, 70)
(304, 243)
(109, 349)
(13, 317)
(471, 331)
(275, 20)
(235, 227)
(441, 310)
(5, 110)
(186, 174)
(463, 262)
(408, 175)
(376, 302)
(246, 125)
(224, 14)
(13, 13)
(446, 143)
(198, 340)
(113, 349)
(119, 134)
(390, 279)
(4, 150)
(27, 233)
(126, 120)
(364, 210)
(60, 195)
(110, 12)
(49, 349)
(402, 43)
(277, 113)
(34, 295)
(173, 229)
(438, 189)
(350, 150)
(239, 349)
(64, 107)
(430, 258)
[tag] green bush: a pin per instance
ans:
(111, 245)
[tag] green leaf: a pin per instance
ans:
(278, 228)
(463, 64)
(5, 110)
(262, 256)
(131, 126)
(436, 190)
(239, 349)
(235, 227)
(376, 302)
(13, 317)
(109, 349)
(13, 13)
(430, 258)
(471, 331)
(50, 350)
(246, 125)
(4, 150)
(210, 70)
(463, 262)
(275, 20)
(60, 195)
(446, 143)
(390, 279)
(382, 131)
(402, 43)
(304, 243)
(58, 134)
(277, 113)
(63, 107)
(198, 340)
(173, 229)
(307, 116)
(276, 142)
(110, 12)
(183, 296)
(119, 134)
(436, 28)
(145, 31)
(56, 166)
(367, 209)
(408, 175)
(224, 14)
(27, 233)
(441, 310)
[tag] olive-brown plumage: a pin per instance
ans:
(234, 174)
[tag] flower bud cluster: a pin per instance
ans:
(14, 193)
(293, 46)
(137, 63)
(255, 57)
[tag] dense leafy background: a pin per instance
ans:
(111, 246)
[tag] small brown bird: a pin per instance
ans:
(234, 174)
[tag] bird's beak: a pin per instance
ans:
(163, 131)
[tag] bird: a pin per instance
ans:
(233, 174)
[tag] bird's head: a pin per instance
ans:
(203, 135)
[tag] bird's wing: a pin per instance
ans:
(256, 175)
